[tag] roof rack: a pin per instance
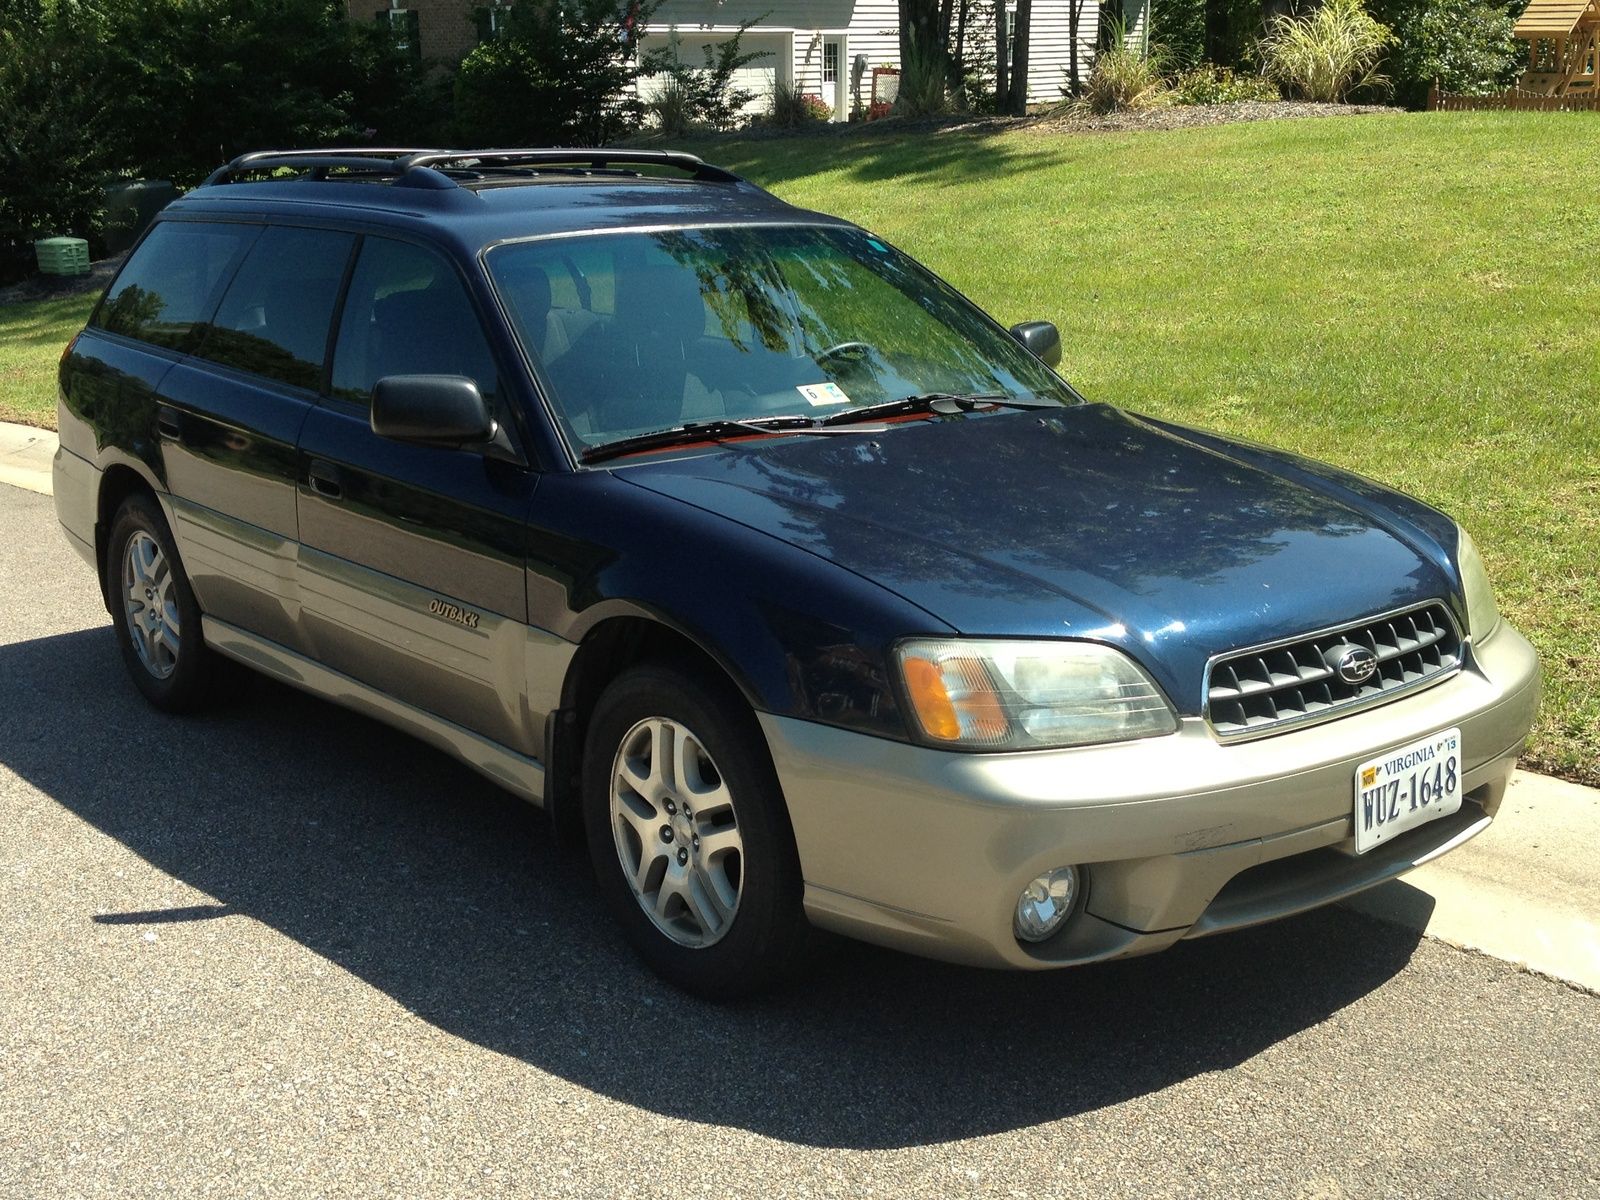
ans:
(428, 168)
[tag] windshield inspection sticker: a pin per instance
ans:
(823, 393)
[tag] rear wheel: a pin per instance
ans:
(689, 836)
(154, 610)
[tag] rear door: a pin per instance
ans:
(412, 557)
(230, 417)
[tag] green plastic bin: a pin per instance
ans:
(62, 256)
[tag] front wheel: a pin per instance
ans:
(689, 836)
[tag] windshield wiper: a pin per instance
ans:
(707, 431)
(942, 403)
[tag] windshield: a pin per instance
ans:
(638, 332)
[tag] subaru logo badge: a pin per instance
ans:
(1353, 664)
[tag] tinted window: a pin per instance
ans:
(407, 313)
(274, 318)
(171, 284)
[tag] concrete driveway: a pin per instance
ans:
(281, 950)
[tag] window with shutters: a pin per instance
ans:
(406, 26)
(490, 20)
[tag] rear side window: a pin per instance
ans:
(171, 284)
(274, 318)
(407, 313)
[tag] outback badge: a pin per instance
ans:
(452, 612)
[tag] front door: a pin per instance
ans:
(835, 77)
(411, 561)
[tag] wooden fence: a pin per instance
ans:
(1515, 100)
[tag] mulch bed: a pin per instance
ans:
(54, 287)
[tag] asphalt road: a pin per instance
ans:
(281, 950)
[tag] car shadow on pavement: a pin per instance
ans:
(398, 865)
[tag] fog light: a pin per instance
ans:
(1046, 903)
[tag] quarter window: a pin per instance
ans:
(274, 318)
(407, 313)
(171, 284)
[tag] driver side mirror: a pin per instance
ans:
(1042, 338)
(431, 410)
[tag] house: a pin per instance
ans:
(828, 48)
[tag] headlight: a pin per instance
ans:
(1483, 615)
(1004, 695)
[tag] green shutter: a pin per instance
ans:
(484, 23)
(414, 34)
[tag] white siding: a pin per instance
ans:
(869, 27)
(1050, 46)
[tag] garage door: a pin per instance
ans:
(758, 78)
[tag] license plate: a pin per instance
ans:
(1406, 787)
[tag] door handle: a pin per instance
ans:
(325, 480)
(168, 424)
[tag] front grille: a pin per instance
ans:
(1257, 691)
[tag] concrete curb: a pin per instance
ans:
(1527, 890)
(26, 454)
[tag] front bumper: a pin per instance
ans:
(927, 850)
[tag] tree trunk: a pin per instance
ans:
(1002, 76)
(919, 27)
(1019, 60)
(1074, 22)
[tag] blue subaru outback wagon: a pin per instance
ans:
(772, 568)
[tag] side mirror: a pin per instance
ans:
(1042, 338)
(431, 410)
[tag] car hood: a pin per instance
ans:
(1088, 522)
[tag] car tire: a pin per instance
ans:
(153, 610)
(709, 895)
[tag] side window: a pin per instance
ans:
(407, 313)
(274, 317)
(171, 284)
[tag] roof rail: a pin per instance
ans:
(373, 160)
(601, 158)
(425, 168)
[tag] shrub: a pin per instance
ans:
(1465, 44)
(1180, 27)
(924, 84)
(793, 108)
(1210, 84)
(562, 72)
(1328, 53)
(673, 107)
(1122, 80)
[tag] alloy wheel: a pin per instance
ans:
(676, 832)
(151, 604)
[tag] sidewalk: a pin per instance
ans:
(1526, 891)
(25, 455)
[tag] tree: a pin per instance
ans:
(1002, 58)
(1018, 101)
(564, 72)
(53, 133)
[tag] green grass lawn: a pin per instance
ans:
(1413, 297)
(32, 337)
